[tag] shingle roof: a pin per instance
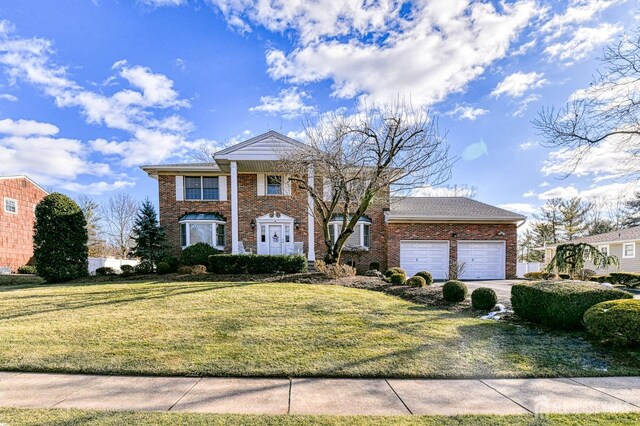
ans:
(448, 208)
(609, 237)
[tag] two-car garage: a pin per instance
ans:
(477, 260)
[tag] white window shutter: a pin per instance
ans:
(179, 188)
(261, 184)
(222, 188)
(286, 189)
(326, 189)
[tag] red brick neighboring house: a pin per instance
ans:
(19, 196)
(239, 204)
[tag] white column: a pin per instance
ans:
(311, 255)
(234, 207)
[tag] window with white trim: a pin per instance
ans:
(628, 250)
(604, 250)
(209, 232)
(201, 188)
(10, 205)
(274, 185)
(361, 236)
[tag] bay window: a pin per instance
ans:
(202, 228)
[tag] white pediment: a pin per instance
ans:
(266, 147)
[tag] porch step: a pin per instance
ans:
(311, 266)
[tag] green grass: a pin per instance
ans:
(17, 279)
(15, 417)
(249, 329)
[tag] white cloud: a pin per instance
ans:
(289, 104)
(8, 97)
(595, 192)
(27, 128)
(377, 53)
(525, 47)
(163, 3)
(523, 105)
(544, 184)
(466, 111)
(578, 12)
(518, 83)
(524, 208)
(582, 42)
(527, 145)
(559, 192)
(96, 188)
(529, 194)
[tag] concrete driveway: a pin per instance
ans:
(501, 287)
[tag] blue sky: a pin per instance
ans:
(93, 89)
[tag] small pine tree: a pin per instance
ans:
(60, 239)
(148, 236)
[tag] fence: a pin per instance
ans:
(112, 262)
(524, 267)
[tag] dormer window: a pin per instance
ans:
(274, 185)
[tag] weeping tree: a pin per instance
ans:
(570, 259)
(357, 159)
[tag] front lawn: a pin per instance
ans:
(272, 329)
(15, 416)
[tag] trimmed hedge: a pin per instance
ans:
(396, 270)
(397, 279)
(27, 269)
(629, 279)
(616, 322)
(428, 278)
(197, 254)
(416, 281)
(163, 268)
(559, 304)
(185, 270)
(599, 278)
(483, 298)
(538, 275)
(105, 270)
(454, 291)
(256, 264)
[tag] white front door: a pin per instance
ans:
(275, 235)
(431, 256)
(483, 260)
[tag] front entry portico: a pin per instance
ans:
(275, 233)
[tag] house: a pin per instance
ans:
(238, 203)
(19, 196)
(624, 244)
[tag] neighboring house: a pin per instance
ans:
(19, 196)
(238, 203)
(624, 244)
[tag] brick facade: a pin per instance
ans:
(385, 238)
(16, 230)
(446, 231)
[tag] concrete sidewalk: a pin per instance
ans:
(320, 396)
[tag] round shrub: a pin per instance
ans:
(60, 239)
(198, 269)
(127, 270)
(483, 298)
(454, 291)
(616, 322)
(27, 269)
(144, 267)
(163, 268)
(396, 270)
(416, 281)
(428, 278)
(397, 279)
(173, 262)
(105, 270)
(184, 270)
(197, 254)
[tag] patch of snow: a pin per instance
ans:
(497, 312)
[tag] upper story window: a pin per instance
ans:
(10, 205)
(201, 188)
(274, 185)
(629, 250)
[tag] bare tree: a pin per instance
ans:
(609, 110)
(468, 191)
(360, 158)
(92, 214)
(118, 215)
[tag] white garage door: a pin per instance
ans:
(483, 260)
(431, 256)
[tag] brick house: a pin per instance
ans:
(238, 204)
(19, 196)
